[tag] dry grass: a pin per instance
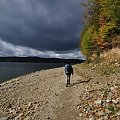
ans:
(116, 41)
(112, 56)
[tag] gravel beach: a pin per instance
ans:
(42, 95)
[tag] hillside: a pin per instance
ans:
(101, 27)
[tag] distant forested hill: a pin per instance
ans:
(102, 26)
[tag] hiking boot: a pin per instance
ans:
(66, 85)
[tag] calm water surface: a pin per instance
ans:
(9, 70)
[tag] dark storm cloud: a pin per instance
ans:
(41, 24)
(8, 49)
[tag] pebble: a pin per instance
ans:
(97, 82)
(48, 118)
(19, 116)
(80, 114)
(88, 97)
(12, 111)
(116, 87)
(3, 118)
(112, 88)
(101, 113)
(45, 102)
(42, 108)
(108, 100)
(78, 107)
(18, 100)
(48, 89)
(118, 113)
(29, 105)
(107, 111)
(99, 102)
(27, 118)
(115, 101)
(92, 118)
(2, 89)
(55, 94)
(118, 99)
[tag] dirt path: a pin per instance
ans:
(68, 111)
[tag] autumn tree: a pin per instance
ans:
(102, 22)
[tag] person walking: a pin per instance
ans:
(68, 72)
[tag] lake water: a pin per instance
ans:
(9, 70)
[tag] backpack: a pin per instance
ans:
(68, 68)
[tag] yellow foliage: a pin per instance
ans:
(104, 22)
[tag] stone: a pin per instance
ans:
(101, 113)
(108, 100)
(84, 109)
(19, 99)
(118, 99)
(27, 113)
(115, 101)
(35, 102)
(42, 108)
(93, 68)
(36, 106)
(107, 111)
(45, 102)
(48, 89)
(78, 107)
(104, 117)
(2, 89)
(27, 118)
(3, 118)
(48, 118)
(92, 118)
(29, 105)
(80, 114)
(12, 111)
(99, 102)
(97, 82)
(112, 89)
(118, 113)
(89, 109)
(107, 83)
(116, 87)
(19, 116)
(55, 94)
(87, 97)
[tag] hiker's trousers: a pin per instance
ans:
(68, 79)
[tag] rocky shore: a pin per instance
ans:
(93, 95)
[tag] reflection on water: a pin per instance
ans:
(11, 70)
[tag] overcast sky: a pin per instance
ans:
(45, 28)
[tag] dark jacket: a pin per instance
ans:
(68, 69)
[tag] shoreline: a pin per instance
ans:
(42, 95)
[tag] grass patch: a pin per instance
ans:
(112, 109)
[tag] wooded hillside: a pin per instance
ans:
(102, 26)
